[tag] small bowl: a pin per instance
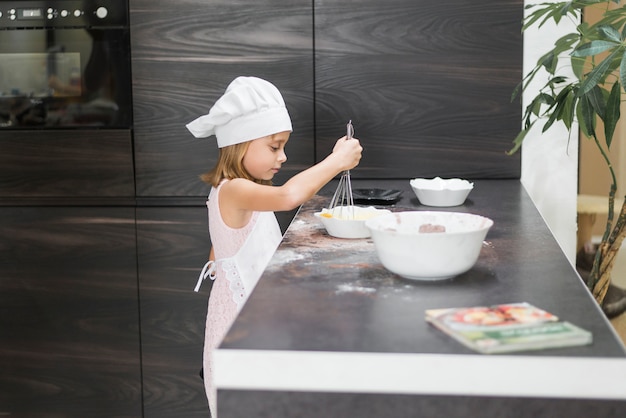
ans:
(348, 221)
(441, 192)
(424, 245)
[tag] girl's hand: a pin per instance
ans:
(348, 152)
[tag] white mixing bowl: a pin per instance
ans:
(348, 221)
(412, 245)
(441, 192)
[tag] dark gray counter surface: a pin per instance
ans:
(329, 332)
(331, 294)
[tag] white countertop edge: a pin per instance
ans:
(432, 374)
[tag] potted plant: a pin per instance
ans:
(597, 53)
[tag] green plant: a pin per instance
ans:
(597, 54)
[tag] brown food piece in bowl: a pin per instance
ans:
(430, 228)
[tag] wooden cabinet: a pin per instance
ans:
(66, 163)
(99, 317)
(183, 58)
(427, 85)
(69, 322)
(172, 246)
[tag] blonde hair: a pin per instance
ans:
(230, 166)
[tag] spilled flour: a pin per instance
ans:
(286, 256)
(348, 288)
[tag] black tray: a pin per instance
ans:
(375, 196)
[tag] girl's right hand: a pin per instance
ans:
(348, 152)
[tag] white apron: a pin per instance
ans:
(244, 269)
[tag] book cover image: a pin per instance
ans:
(507, 327)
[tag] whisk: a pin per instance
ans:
(342, 198)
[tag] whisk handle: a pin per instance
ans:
(349, 130)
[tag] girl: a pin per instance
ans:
(252, 127)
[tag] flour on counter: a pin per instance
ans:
(286, 256)
(348, 288)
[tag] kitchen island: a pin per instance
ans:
(329, 332)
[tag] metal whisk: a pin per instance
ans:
(342, 198)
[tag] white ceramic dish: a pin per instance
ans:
(348, 221)
(441, 192)
(405, 250)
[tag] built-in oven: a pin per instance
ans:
(65, 100)
(65, 64)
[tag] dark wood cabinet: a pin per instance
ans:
(66, 163)
(183, 59)
(69, 321)
(172, 246)
(427, 85)
(99, 317)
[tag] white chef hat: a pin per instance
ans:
(250, 108)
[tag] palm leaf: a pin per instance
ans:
(610, 33)
(586, 117)
(578, 66)
(593, 48)
(547, 12)
(622, 70)
(519, 139)
(598, 73)
(597, 101)
(567, 113)
(614, 17)
(613, 113)
(559, 109)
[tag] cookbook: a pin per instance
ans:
(507, 328)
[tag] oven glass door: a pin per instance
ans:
(65, 78)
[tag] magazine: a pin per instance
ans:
(507, 327)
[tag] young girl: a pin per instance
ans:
(252, 127)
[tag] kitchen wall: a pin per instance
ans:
(550, 160)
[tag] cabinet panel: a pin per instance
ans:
(173, 245)
(183, 59)
(426, 84)
(66, 163)
(69, 321)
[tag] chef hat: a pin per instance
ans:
(250, 108)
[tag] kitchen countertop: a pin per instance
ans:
(326, 319)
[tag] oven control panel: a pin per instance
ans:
(55, 13)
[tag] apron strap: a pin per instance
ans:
(207, 271)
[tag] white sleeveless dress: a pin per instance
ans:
(241, 255)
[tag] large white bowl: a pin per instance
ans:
(441, 192)
(412, 254)
(348, 221)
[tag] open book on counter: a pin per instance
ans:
(507, 327)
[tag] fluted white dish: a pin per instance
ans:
(441, 192)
